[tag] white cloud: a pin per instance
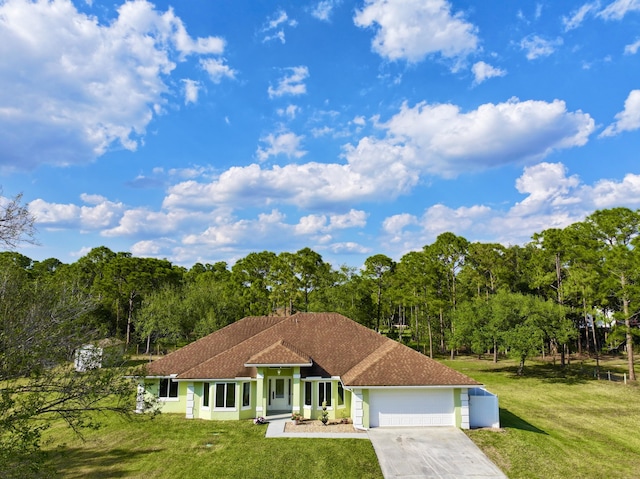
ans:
(483, 71)
(414, 29)
(632, 48)
(191, 90)
(277, 21)
(442, 140)
(287, 144)
(100, 214)
(423, 140)
(628, 119)
(291, 84)
(537, 47)
(553, 199)
(217, 69)
(290, 111)
(71, 88)
(324, 9)
(577, 16)
(618, 9)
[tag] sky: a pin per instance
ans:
(204, 130)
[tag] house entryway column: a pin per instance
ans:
(296, 397)
(190, 400)
(261, 397)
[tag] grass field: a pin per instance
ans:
(556, 423)
(170, 446)
(560, 423)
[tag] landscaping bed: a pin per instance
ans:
(317, 426)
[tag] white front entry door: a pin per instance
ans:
(279, 393)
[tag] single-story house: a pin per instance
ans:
(268, 365)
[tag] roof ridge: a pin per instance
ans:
(237, 344)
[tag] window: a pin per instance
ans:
(225, 395)
(168, 388)
(324, 392)
(340, 394)
(307, 394)
(205, 394)
(246, 394)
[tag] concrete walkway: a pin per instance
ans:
(275, 428)
(430, 452)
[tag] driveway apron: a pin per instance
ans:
(430, 452)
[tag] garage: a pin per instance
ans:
(411, 407)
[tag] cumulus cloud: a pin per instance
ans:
(421, 140)
(286, 143)
(442, 140)
(537, 47)
(292, 83)
(96, 214)
(414, 29)
(71, 88)
(552, 199)
(483, 71)
(628, 119)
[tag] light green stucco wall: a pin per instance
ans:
(258, 397)
(458, 407)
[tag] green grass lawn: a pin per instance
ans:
(170, 446)
(560, 423)
(556, 423)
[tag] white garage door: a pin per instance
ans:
(411, 407)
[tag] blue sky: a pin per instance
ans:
(204, 130)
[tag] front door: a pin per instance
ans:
(280, 394)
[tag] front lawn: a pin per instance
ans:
(170, 446)
(560, 423)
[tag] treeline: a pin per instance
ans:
(552, 295)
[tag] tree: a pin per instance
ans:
(16, 222)
(41, 324)
(378, 268)
(616, 230)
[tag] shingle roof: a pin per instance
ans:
(336, 345)
(278, 353)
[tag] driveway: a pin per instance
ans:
(430, 452)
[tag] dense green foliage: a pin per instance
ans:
(453, 295)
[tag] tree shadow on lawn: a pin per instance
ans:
(78, 462)
(510, 420)
(547, 372)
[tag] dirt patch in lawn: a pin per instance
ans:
(317, 426)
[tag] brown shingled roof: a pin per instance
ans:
(279, 353)
(336, 345)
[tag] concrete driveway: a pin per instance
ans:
(430, 452)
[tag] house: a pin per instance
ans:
(269, 365)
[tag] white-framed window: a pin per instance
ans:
(308, 394)
(168, 389)
(340, 394)
(206, 395)
(225, 396)
(246, 395)
(324, 393)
